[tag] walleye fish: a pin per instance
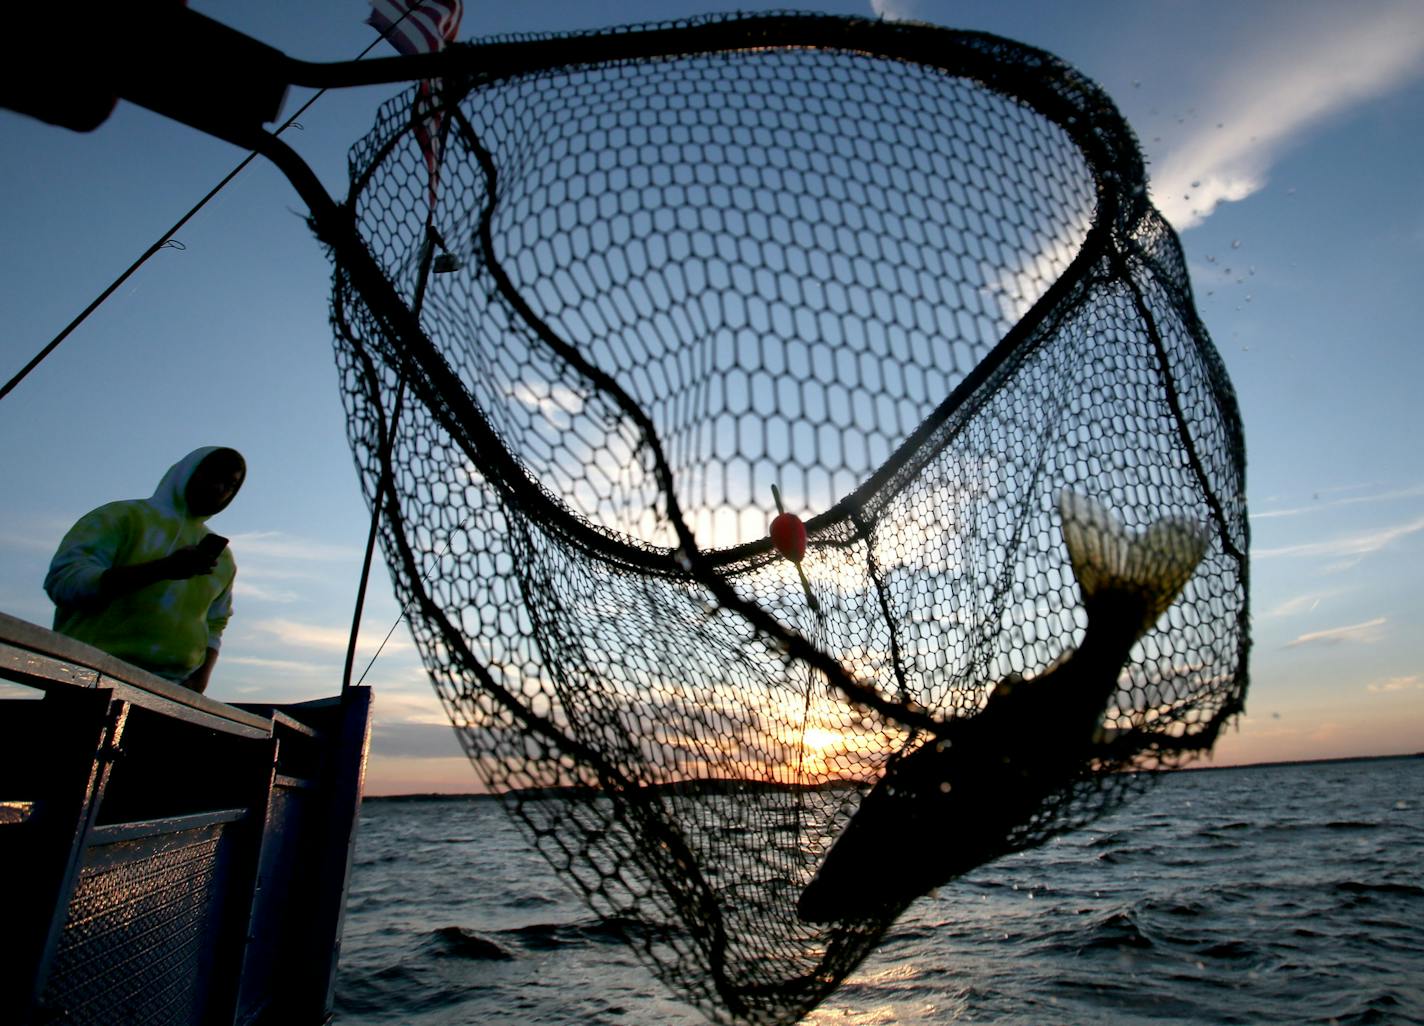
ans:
(950, 805)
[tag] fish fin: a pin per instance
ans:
(1153, 565)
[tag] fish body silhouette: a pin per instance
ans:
(951, 804)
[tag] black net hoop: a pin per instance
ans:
(912, 277)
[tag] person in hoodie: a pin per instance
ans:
(145, 580)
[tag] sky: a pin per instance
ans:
(1284, 139)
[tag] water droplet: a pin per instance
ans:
(1235, 243)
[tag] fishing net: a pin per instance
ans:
(909, 276)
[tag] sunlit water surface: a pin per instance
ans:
(1269, 895)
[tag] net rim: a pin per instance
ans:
(1026, 75)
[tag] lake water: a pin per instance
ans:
(1264, 895)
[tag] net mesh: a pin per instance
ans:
(911, 277)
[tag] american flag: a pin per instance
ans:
(413, 27)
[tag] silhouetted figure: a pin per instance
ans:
(145, 580)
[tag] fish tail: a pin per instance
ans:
(1152, 566)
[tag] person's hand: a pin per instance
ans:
(178, 565)
(198, 679)
(189, 561)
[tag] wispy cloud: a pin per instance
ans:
(414, 740)
(244, 588)
(283, 546)
(1309, 70)
(327, 639)
(1354, 546)
(286, 667)
(30, 542)
(1354, 500)
(1365, 633)
(1306, 603)
(1268, 87)
(1413, 682)
(394, 708)
(304, 635)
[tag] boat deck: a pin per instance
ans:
(173, 859)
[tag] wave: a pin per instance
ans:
(615, 930)
(1361, 887)
(1231, 950)
(521, 901)
(1180, 909)
(1314, 825)
(410, 988)
(1385, 1008)
(458, 942)
(1118, 930)
(1313, 919)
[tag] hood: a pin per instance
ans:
(169, 495)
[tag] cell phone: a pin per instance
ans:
(211, 545)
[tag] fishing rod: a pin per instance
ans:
(82, 109)
(191, 69)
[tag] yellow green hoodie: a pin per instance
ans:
(166, 627)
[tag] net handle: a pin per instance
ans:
(222, 63)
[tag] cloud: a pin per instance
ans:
(892, 10)
(31, 542)
(279, 545)
(1276, 90)
(394, 708)
(327, 639)
(1354, 500)
(286, 667)
(243, 588)
(1306, 603)
(556, 403)
(1365, 633)
(1413, 682)
(414, 740)
(1351, 545)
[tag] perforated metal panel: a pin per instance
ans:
(137, 945)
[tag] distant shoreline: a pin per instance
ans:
(727, 786)
(1299, 762)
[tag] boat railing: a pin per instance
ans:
(173, 858)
